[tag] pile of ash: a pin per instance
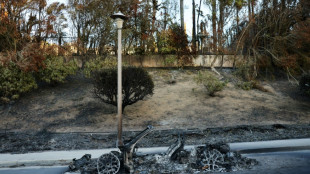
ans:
(202, 159)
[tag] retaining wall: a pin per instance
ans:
(171, 61)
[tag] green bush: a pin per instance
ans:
(246, 85)
(169, 60)
(139, 51)
(209, 80)
(249, 85)
(56, 70)
(14, 82)
(167, 50)
(304, 83)
(244, 72)
(99, 64)
(136, 84)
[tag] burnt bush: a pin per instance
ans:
(136, 84)
(304, 84)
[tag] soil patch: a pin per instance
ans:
(24, 142)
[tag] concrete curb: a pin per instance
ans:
(271, 146)
(50, 158)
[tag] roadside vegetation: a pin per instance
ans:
(136, 85)
(268, 37)
(210, 82)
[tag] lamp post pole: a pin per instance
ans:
(119, 85)
(119, 18)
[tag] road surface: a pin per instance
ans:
(293, 162)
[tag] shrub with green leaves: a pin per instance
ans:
(210, 81)
(245, 72)
(246, 85)
(136, 84)
(56, 70)
(14, 82)
(98, 64)
(251, 85)
(170, 60)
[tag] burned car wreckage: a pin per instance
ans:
(201, 159)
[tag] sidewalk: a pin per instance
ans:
(51, 158)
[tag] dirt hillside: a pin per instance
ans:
(71, 107)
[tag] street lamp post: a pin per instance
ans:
(202, 36)
(119, 18)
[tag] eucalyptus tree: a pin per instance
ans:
(182, 13)
(57, 20)
(225, 6)
(213, 4)
(82, 16)
(194, 26)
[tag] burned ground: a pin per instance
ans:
(69, 117)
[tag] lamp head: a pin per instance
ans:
(119, 15)
(119, 18)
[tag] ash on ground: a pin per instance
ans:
(202, 159)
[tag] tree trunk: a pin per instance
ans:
(182, 14)
(194, 28)
(274, 4)
(165, 19)
(249, 10)
(252, 4)
(154, 10)
(221, 25)
(283, 5)
(198, 23)
(214, 26)
(237, 15)
(153, 29)
(78, 40)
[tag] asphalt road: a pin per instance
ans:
(35, 170)
(294, 162)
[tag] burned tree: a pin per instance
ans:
(136, 84)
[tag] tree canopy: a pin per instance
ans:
(274, 32)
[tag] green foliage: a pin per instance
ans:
(304, 84)
(246, 78)
(245, 72)
(246, 85)
(249, 85)
(163, 43)
(136, 84)
(169, 60)
(99, 64)
(178, 41)
(245, 75)
(139, 51)
(210, 81)
(14, 82)
(56, 70)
